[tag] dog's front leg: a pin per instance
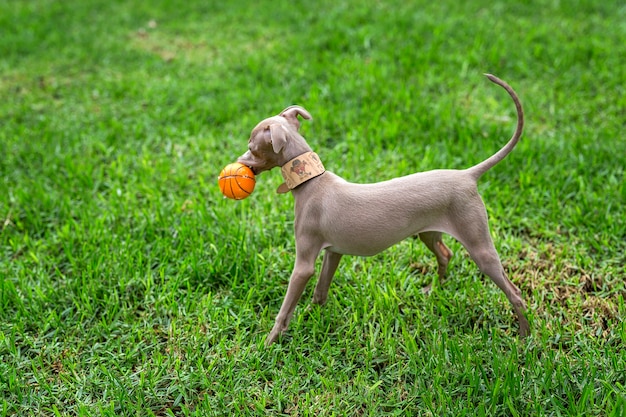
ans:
(329, 266)
(302, 272)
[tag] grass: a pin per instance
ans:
(129, 286)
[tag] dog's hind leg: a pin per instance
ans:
(474, 235)
(489, 263)
(434, 242)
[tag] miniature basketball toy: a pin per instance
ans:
(236, 181)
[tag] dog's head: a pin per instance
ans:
(276, 140)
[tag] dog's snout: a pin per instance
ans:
(245, 156)
(246, 159)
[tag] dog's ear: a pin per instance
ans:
(291, 114)
(278, 136)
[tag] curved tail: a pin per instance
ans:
(478, 170)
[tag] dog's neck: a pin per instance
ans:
(299, 170)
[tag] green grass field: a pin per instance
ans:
(129, 286)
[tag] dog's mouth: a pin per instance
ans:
(243, 161)
(254, 170)
(253, 165)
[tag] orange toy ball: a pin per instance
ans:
(236, 181)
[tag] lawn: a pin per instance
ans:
(130, 286)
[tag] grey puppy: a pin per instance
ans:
(344, 218)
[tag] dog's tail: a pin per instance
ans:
(478, 170)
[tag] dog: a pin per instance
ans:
(343, 218)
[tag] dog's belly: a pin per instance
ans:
(359, 249)
(357, 238)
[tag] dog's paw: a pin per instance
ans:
(272, 337)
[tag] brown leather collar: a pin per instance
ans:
(299, 170)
